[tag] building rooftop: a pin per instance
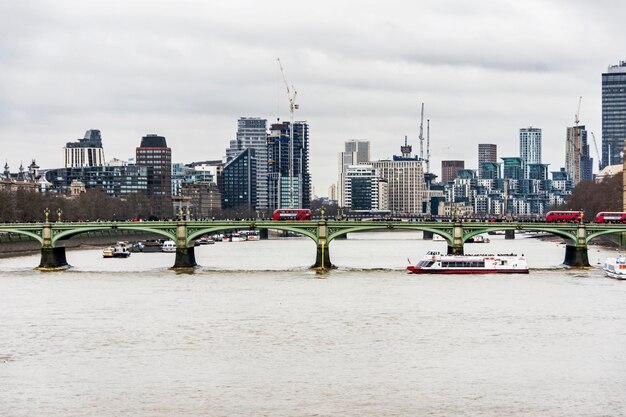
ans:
(153, 141)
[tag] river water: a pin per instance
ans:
(255, 333)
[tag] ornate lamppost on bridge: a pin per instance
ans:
(59, 213)
(46, 212)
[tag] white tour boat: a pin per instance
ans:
(436, 263)
(616, 267)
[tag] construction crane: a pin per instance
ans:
(421, 137)
(428, 145)
(292, 106)
(597, 153)
(576, 120)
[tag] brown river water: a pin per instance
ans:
(254, 332)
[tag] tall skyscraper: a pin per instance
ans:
(613, 114)
(450, 170)
(283, 191)
(578, 163)
(86, 152)
(355, 152)
(154, 154)
(252, 134)
(529, 147)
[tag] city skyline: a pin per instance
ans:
(189, 72)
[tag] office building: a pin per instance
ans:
(239, 181)
(252, 134)
(488, 161)
(407, 193)
(364, 189)
(450, 170)
(154, 154)
(613, 114)
(86, 152)
(355, 152)
(285, 191)
(202, 198)
(529, 147)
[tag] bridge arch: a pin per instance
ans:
(334, 233)
(568, 236)
(67, 234)
(30, 234)
(596, 234)
(198, 232)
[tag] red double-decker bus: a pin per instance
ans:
(611, 217)
(564, 216)
(292, 214)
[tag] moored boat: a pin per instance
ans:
(615, 267)
(237, 237)
(151, 246)
(169, 246)
(108, 252)
(436, 263)
(120, 250)
(478, 239)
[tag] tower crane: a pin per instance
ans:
(421, 137)
(597, 153)
(428, 145)
(576, 120)
(292, 106)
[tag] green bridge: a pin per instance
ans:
(51, 234)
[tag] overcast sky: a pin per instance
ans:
(188, 69)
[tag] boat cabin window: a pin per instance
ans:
(463, 264)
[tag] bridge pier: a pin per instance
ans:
(52, 259)
(264, 234)
(322, 257)
(427, 235)
(456, 248)
(185, 258)
(185, 255)
(576, 256)
(509, 234)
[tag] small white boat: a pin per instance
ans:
(169, 246)
(120, 250)
(478, 239)
(108, 252)
(237, 237)
(438, 238)
(616, 267)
